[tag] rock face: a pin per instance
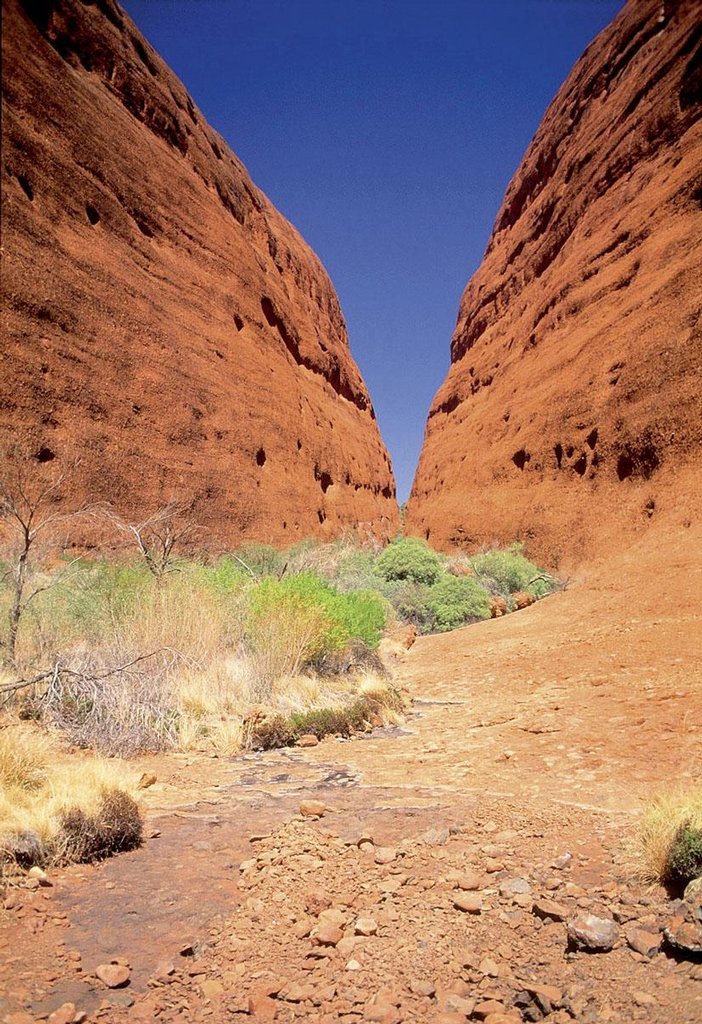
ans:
(163, 322)
(570, 415)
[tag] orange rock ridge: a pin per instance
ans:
(163, 322)
(570, 416)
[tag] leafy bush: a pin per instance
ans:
(511, 571)
(358, 614)
(684, 858)
(412, 604)
(457, 600)
(409, 559)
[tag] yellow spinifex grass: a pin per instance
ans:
(39, 781)
(660, 821)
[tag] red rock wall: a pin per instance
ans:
(570, 416)
(162, 321)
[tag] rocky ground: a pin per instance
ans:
(473, 864)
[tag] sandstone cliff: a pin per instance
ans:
(162, 321)
(571, 416)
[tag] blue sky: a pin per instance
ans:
(387, 132)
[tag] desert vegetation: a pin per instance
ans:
(154, 651)
(669, 840)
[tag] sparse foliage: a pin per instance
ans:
(32, 509)
(158, 536)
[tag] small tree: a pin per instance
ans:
(157, 536)
(31, 511)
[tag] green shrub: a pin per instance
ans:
(409, 559)
(224, 577)
(359, 614)
(684, 858)
(294, 622)
(510, 571)
(412, 604)
(457, 600)
(343, 720)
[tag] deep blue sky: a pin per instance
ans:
(387, 132)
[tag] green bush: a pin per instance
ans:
(457, 600)
(412, 604)
(359, 614)
(684, 858)
(307, 614)
(279, 731)
(223, 577)
(510, 571)
(409, 559)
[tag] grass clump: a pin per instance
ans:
(373, 704)
(57, 807)
(113, 827)
(669, 841)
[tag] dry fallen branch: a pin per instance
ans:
(59, 669)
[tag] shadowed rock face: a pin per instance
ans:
(163, 322)
(571, 411)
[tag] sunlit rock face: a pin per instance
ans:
(570, 416)
(163, 323)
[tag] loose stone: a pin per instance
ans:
(596, 934)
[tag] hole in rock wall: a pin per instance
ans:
(641, 461)
(143, 227)
(238, 322)
(558, 452)
(92, 214)
(26, 187)
(45, 454)
(269, 311)
(260, 457)
(592, 438)
(580, 464)
(625, 466)
(521, 458)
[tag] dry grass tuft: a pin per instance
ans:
(24, 760)
(660, 824)
(32, 816)
(112, 827)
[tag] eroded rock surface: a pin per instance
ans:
(163, 322)
(571, 408)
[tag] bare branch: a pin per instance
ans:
(59, 669)
(157, 536)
